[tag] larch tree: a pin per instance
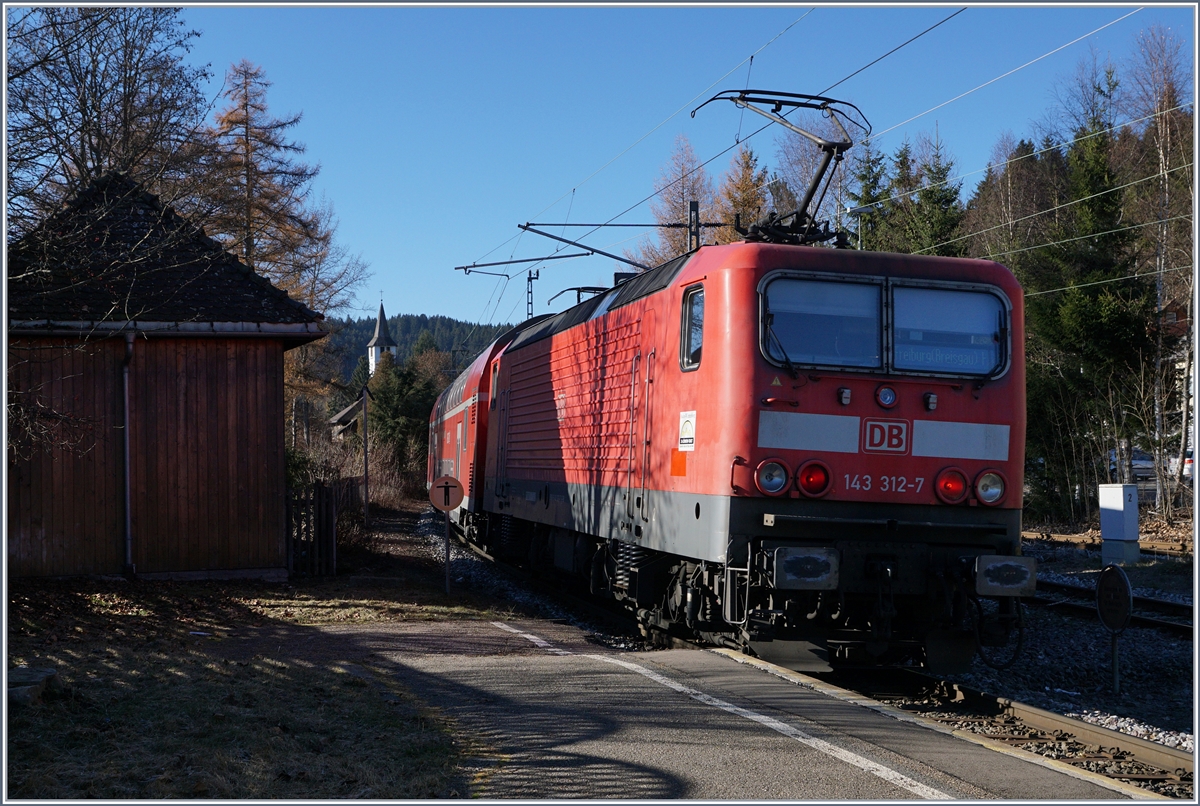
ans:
(261, 210)
(261, 215)
(742, 195)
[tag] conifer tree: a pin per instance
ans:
(937, 209)
(743, 194)
(868, 189)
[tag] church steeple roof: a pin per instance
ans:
(383, 337)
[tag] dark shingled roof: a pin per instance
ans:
(116, 254)
(383, 336)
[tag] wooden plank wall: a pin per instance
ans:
(207, 440)
(65, 510)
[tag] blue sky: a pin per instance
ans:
(440, 129)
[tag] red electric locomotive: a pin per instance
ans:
(812, 454)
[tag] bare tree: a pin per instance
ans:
(97, 90)
(799, 161)
(681, 181)
(1157, 79)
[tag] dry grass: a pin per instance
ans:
(152, 710)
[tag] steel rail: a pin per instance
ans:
(1175, 765)
(1165, 758)
(1185, 549)
(1164, 606)
(1088, 611)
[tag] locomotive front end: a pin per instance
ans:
(875, 513)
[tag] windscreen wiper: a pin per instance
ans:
(772, 335)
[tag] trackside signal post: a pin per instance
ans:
(1114, 604)
(446, 494)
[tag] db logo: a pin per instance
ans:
(885, 436)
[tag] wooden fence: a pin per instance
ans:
(312, 514)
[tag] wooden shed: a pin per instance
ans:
(145, 397)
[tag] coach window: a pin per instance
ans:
(691, 334)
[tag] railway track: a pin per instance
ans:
(1163, 770)
(1156, 768)
(1081, 601)
(1088, 541)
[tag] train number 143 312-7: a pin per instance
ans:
(885, 484)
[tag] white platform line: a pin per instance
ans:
(541, 643)
(854, 759)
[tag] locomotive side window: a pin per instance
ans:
(691, 334)
(946, 330)
(824, 323)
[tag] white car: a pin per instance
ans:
(1187, 466)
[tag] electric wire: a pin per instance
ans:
(737, 138)
(877, 135)
(1110, 280)
(749, 137)
(1051, 209)
(1085, 237)
(1040, 151)
(893, 50)
(643, 137)
(665, 120)
(769, 124)
(872, 137)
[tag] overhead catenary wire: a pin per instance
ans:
(1040, 151)
(1051, 209)
(893, 50)
(1085, 237)
(1188, 267)
(877, 135)
(663, 122)
(749, 137)
(856, 72)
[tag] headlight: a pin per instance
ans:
(989, 487)
(771, 477)
(951, 485)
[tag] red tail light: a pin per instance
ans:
(951, 485)
(813, 478)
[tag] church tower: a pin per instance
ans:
(381, 342)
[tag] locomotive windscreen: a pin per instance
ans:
(835, 323)
(827, 323)
(944, 330)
